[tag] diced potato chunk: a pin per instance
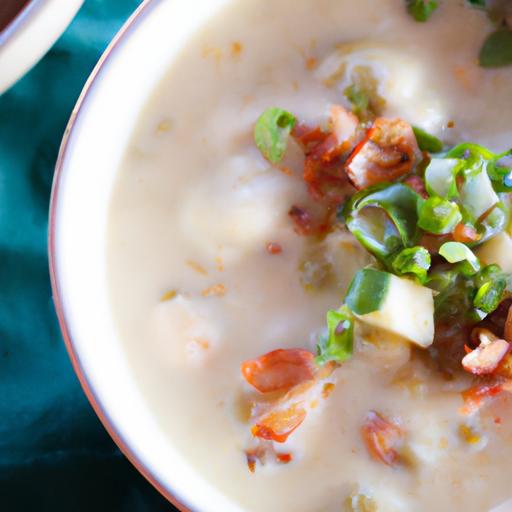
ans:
(407, 310)
(497, 250)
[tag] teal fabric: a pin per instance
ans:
(54, 453)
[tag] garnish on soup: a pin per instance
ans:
(424, 213)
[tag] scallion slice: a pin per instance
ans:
(367, 291)
(272, 131)
(438, 216)
(455, 252)
(337, 345)
(413, 260)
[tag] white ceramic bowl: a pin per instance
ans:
(96, 137)
(31, 34)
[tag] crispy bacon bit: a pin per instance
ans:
(465, 234)
(252, 457)
(417, 184)
(263, 453)
(279, 423)
(302, 219)
(475, 397)
(383, 438)
(306, 134)
(276, 419)
(274, 248)
(486, 358)
(284, 458)
(325, 153)
(388, 152)
(280, 369)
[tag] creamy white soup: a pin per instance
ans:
(309, 255)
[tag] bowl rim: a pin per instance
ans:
(29, 36)
(78, 367)
(21, 17)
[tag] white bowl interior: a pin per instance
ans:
(90, 160)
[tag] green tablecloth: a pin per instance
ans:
(54, 454)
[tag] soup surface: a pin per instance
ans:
(207, 269)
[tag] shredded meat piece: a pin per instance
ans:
(476, 396)
(293, 372)
(485, 359)
(325, 152)
(382, 438)
(388, 152)
(279, 423)
(279, 370)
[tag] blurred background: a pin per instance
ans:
(54, 453)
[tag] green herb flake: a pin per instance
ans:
(489, 295)
(384, 218)
(427, 142)
(413, 260)
(367, 291)
(272, 131)
(440, 177)
(480, 4)
(421, 10)
(496, 51)
(455, 252)
(337, 345)
(438, 216)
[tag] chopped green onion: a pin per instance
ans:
(491, 283)
(489, 295)
(438, 216)
(272, 131)
(421, 10)
(455, 295)
(495, 222)
(384, 218)
(488, 273)
(440, 177)
(496, 51)
(477, 194)
(426, 141)
(500, 172)
(338, 344)
(455, 252)
(367, 291)
(413, 260)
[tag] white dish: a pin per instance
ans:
(177, 74)
(31, 34)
